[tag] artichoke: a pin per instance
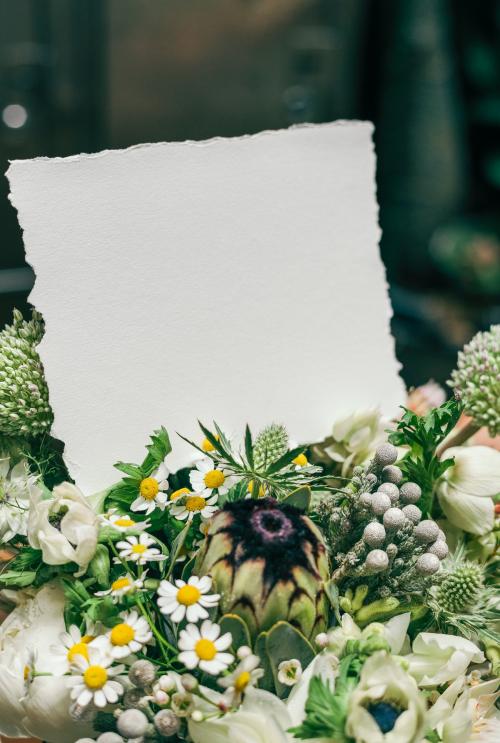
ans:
(269, 563)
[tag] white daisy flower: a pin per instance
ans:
(122, 522)
(187, 505)
(190, 600)
(204, 648)
(121, 586)
(139, 550)
(208, 477)
(72, 643)
(95, 682)
(125, 638)
(246, 674)
(152, 491)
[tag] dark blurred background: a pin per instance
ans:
(83, 75)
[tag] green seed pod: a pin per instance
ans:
(270, 445)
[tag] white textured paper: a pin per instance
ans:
(235, 279)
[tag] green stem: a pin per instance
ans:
(154, 629)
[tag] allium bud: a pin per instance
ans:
(321, 640)
(427, 531)
(167, 723)
(439, 548)
(133, 698)
(189, 682)
(385, 454)
(427, 564)
(161, 697)
(110, 738)
(380, 503)
(391, 490)
(142, 673)
(374, 534)
(394, 519)
(132, 723)
(410, 492)
(377, 561)
(167, 683)
(182, 704)
(392, 473)
(243, 652)
(413, 513)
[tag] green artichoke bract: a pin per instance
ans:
(269, 563)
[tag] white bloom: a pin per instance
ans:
(188, 505)
(464, 714)
(289, 672)
(122, 522)
(126, 638)
(139, 549)
(467, 488)
(121, 586)
(204, 647)
(208, 477)
(96, 681)
(355, 438)
(64, 526)
(46, 711)
(323, 665)
(437, 659)
(12, 690)
(262, 718)
(245, 675)
(386, 706)
(152, 491)
(338, 637)
(190, 600)
(15, 486)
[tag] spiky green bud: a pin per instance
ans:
(24, 397)
(460, 590)
(476, 380)
(270, 445)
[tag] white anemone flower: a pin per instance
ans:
(209, 477)
(245, 675)
(139, 549)
(128, 637)
(122, 522)
(188, 505)
(204, 648)
(438, 659)
(123, 585)
(15, 485)
(467, 489)
(95, 682)
(152, 491)
(190, 600)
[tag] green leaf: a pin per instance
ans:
(332, 592)
(14, 578)
(157, 451)
(133, 470)
(300, 498)
(282, 643)
(284, 460)
(177, 546)
(100, 566)
(249, 446)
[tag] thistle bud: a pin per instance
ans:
(167, 723)
(380, 503)
(412, 513)
(392, 473)
(391, 490)
(393, 519)
(427, 564)
(374, 534)
(142, 673)
(410, 492)
(132, 723)
(439, 548)
(377, 561)
(426, 531)
(385, 454)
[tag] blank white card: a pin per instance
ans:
(235, 279)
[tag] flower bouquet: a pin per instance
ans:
(342, 591)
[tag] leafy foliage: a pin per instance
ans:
(423, 434)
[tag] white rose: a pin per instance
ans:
(63, 526)
(437, 659)
(467, 488)
(262, 718)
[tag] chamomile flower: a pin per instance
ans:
(190, 600)
(121, 586)
(204, 647)
(128, 637)
(71, 644)
(139, 550)
(95, 682)
(246, 674)
(152, 491)
(187, 505)
(208, 477)
(122, 522)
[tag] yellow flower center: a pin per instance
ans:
(124, 522)
(251, 486)
(139, 549)
(149, 488)
(95, 677)
(205, 649)
(300, 460)
(26, 672)
(121, 583)
(214, 479)
(80, 648)
(195, 503)
(178, 493)
(207, 445)
(122, 634)
(188, 595)
(242, 681)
